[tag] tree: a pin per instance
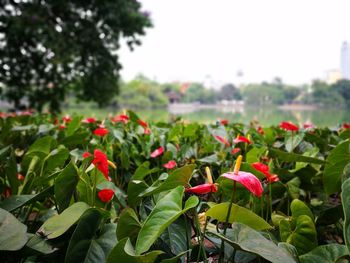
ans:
(46, 47)
(263, 94)
(229, 92)
(325, 95)
(343, 88)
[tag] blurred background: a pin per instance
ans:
(202, 60)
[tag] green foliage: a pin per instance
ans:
(53, 44)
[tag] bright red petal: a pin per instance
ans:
(242, 139)
(106, 195)
(157, 152)
(170, 165)
(101, 162)
(288, 126)
(202, 189)
(101, 131)
(222, 140)
(261, 167)
(248, 180)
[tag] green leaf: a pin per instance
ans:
(56, 159)
(40, 147)
(13, 234)
(128, 225)
(166, 211)
(293, 187)
(293, 141)
(335, 164)
(210, 159)
(299, 208)
(124, 252)
(16, 201)
(180, 176)
(325, 254)
(238, 214)
(300, 232)
(254, 154)
(40, 244)
(65, 185)
(293, 157)
(88, 246)
(73, 126)
(59, 224)
(244, 238)
(345, 199)
(75, 139)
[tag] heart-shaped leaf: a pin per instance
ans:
(325, 254)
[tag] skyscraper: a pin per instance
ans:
(345, 60)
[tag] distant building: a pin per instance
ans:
(345, 60)
(333, 76)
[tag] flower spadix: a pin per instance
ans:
(248, 180)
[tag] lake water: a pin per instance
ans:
(265, 115)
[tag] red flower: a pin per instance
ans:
(157, 152)
(170, 165)
(3, 115)
(20, 177)
(209, 187)
(346, 126)
(101, 163)
(288, 126)
(203, 189)
(308, 126)
(147, 131)
(271, 178)
(248, 180)
(260, 130)
(121, 118)
(86, 155)
(89, 120)
(142, 123)
(101, 131)
(66, 118)
(61, 127)
(241, 139)
(224, 122)
(235, 150)
(106, 195)
(222, 140)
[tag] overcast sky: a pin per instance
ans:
(197, 40)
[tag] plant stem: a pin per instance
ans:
(270, 199)
(233, 197)
(199, 233)
(187, 240)
(94, 188)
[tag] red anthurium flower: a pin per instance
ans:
(157, 152)
(61, 127)
(101, 162)
(224, 122)
(86, 155)
(260, 130)
(222, 140)
(106, 195)
(3, 115)
(289, 126)
(209, 187)
(271, 178)
(20, 177)
(170, 165)
(66, 118)
(101, 131)
(248, 180)
(346, 126)
(147, 131)
(121, 118)
(89, 120)
(241, 139)
(142, 123)
(308, 125)
(235, 150)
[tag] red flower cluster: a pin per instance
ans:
(100, 161)
(157, 152)
(170, 165)
(106, 195)
(101, 131)
(89, 120)
(289, 126)
(222, 140)
(66, 119)
(271, 178)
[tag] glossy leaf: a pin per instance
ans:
(13, 234)
(345, 198)
(86, 245)
(238, 214)
(293, 141)
(247, 239)
(166, 211)
(335, 164)
(65, 185)
(325, 254)
(59, 224)
(293, 157)
(128, 225)
(299, 208)
(124, 252)
(300, 232)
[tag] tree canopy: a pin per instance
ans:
(48, 47)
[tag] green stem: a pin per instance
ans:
(187, 240)
(199, 233)
(233, 197)
(94, 188)
(270, 198)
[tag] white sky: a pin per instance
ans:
(197, 40)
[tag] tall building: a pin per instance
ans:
(345, 60)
